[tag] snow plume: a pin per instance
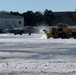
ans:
(42, 32)
(43, 36)
(42, 27)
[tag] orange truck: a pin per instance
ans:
(62, 31)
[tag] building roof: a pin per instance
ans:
(9, 16)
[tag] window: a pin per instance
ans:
(19, 22)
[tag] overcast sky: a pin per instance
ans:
(37, 5)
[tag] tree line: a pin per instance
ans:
(37, 18)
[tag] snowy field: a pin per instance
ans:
(36, 55)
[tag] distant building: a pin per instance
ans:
(10, 21)
(67, 17)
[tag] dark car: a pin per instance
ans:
(21, 30)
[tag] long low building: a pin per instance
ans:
(10, 21)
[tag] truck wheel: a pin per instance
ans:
(29, 33)
(63, 35)
(20, 33)
(74, 36)
(14, 33)
(55, 37)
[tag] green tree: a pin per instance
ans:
(48, 16)
(28, 18)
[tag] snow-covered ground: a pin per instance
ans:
(35, 53)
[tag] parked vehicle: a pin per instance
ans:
(21, 30)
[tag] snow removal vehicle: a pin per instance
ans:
(61, 31)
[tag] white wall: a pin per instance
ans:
(11, 23)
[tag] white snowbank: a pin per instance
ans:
(34, 38)
(34, 43)
(37, 66)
